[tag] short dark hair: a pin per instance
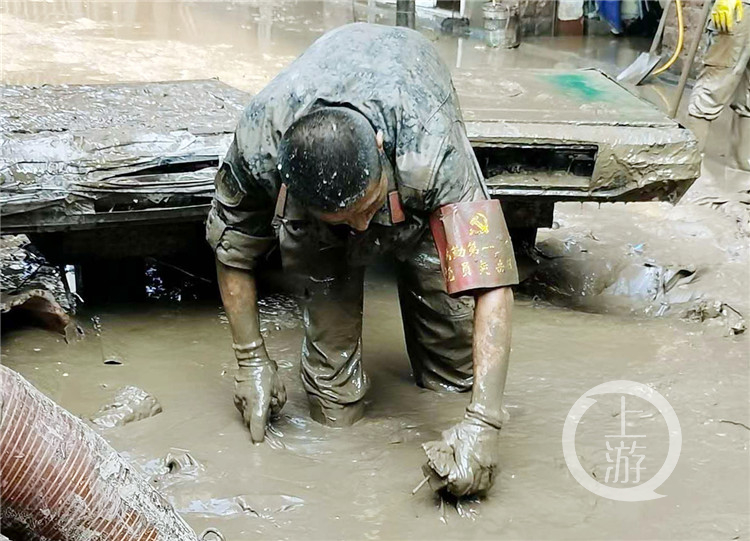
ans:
(328, 158)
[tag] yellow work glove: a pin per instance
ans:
(726, 13)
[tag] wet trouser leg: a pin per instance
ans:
(724, 69)
(741, 139)
(438, 328)
(331, 366)
(331, 363)
(741, 120)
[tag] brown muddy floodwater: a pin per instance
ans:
(311, 482)
(242, 43)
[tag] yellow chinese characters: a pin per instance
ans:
(502, 266)
(465, 269)
(454, 252)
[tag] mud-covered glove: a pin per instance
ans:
(258, 390)
(725, 14)
(464, 462)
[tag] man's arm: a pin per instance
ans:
(239, 231)
(491, 350)
(477, 257)
(240, 298)
(258, 390)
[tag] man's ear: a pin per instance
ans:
(379, 140)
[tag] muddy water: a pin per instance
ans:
(312, 482)
(243, 43)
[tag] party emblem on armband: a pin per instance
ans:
(479, 223)
(473, 245)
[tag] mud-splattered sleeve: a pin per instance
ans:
(468, 227)
(239, 226)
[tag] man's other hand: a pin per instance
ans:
(464, 462)
(725, 14)
(258, 393)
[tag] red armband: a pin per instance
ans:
(474, 246)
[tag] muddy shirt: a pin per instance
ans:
(395, 78)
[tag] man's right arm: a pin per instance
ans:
(239, 231)
(258, 390)
(240, 299)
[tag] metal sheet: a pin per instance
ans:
(80, 150)
(71, 154)
(545, 96)
(642, 153)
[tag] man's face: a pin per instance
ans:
(358, 214)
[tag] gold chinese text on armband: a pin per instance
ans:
(474, 246)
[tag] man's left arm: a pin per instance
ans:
(491, 351)
(477, 259)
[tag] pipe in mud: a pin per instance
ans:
(62, 481)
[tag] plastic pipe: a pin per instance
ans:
(60, 480)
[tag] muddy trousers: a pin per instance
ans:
(724, 80)
(438, 331)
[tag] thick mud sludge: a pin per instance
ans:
(310, 481)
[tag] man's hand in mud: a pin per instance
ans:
(258, 393)
(465, 460)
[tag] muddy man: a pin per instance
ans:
(357, 149)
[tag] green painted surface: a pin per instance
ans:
(579, 85)
(554, 97)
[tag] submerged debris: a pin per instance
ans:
(32, 287)
(718, 313)
(130, 404)
(571, 274)
(182, 462)
(578, 273)
(176, 466)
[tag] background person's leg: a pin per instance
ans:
(438, 328)
(741, 141)
(723, 69)
(741, 120)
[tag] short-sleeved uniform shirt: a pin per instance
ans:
(395, 78)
